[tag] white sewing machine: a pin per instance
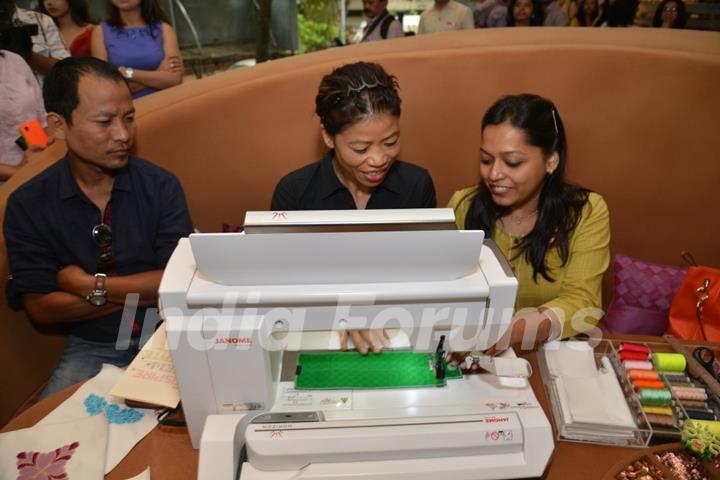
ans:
(237, 305)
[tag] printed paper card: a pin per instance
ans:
(150, 378)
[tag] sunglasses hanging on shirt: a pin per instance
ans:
(102, 234)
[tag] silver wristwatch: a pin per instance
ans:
(98, 296)
(129, 72)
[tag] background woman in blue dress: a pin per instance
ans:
(137, 39)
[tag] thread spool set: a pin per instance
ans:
(660, 393)
(666, 394)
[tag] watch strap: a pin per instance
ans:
(100, 279)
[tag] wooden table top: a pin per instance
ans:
(169, 454)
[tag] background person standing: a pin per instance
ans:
(446, 16)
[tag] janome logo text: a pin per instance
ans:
(246, 341)
(497, 419)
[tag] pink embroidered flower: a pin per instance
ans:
(45, 466)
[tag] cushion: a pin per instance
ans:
(642, 294)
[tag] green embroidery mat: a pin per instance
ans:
(351, 370)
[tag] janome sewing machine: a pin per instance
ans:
(247, 314)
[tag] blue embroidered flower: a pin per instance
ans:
(95, 405)
(116, 414)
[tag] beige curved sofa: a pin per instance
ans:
(641, 108)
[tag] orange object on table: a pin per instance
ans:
(655, 384)
(643, 375)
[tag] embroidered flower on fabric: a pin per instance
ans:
(116, 414)
(45, 466)
(95, 405)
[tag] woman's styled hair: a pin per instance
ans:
(560, 204)
(150, 11)
(679, 20)
(620, 13)
(354, 92)
(583, 19)
(537, 18)
(78, 12)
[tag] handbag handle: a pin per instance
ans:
(701, 295)
(688, 257)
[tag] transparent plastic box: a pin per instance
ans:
(643, 432)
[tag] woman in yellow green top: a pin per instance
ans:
(555, 235)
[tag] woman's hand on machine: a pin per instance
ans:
(365, 340)
(527, 331)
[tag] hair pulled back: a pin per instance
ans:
(354, 92)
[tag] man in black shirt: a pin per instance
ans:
(94, 228)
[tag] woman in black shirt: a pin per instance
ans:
(359, 109)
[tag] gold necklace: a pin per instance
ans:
(513, 261)
(522, 218)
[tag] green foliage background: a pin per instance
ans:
(317, 24)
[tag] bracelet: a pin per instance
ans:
(553, 321)
(544, 313)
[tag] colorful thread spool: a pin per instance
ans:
(667, 411)
(671, 362)
(634, 347)
(675, 376)
(637, 365)
(643, 375)
(652, 397)
(656, 384)
(661, 420)
(690, 389)
(681, 384)
(693, 404)
(692, 394)
(629, 355)
(700, 414)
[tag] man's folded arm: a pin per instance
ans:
(146, 284)
(71, 305)
(63, 307)
(75, 280)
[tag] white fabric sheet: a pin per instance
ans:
(75, 449)
(127, 426)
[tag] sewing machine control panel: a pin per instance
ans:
(288, 417)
